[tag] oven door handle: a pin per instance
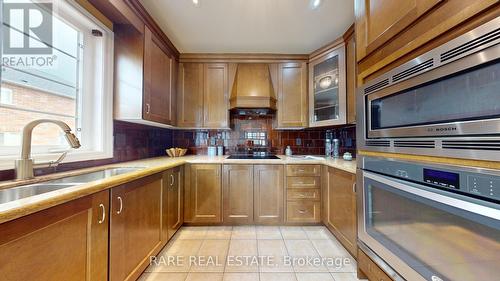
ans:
(420, 191)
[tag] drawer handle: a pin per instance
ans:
(302, 195)
(302, 211)
(354, 188)
(121, 205)
(103, 216)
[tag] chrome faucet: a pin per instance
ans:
(25, 165)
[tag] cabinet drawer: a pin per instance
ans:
(311, 194)
(303, 211)
(370, 268)
(303, 170)
(303, 182)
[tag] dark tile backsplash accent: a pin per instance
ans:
(256, 133)
(131, 142)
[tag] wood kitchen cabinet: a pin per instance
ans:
(291, 88)
(238, 185)
(203, 193)
(327, 87)
(390, 32)
(65, 242)
(303, 194)
(135, 226)
(351, 74)
(145, 78)
(268, 194)
(203, 95)
(173, 202)
(341, 207)
(190, 95)
(159, 81)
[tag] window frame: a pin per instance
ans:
(97, 101)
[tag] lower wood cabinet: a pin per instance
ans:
(203, 193)
(341, 207)
(65, 242)
(135, 226)
(303, 194)
(173, 202)
(303, 211)
(268, 194)
(237, 182)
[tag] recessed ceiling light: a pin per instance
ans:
(315, 4)
(196, 2)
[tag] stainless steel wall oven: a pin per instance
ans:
(445, 102)
(422, 221)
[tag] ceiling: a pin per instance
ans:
(251, 26)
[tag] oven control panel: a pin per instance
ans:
(466, 180)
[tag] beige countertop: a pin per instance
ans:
(18, 208)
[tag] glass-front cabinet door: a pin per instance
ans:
(327, 89)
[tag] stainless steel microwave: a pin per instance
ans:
(445, 102)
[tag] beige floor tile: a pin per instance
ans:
(314, 277)
(300, 248)
(198, 276)
(304, 257)
(162, 276)
(276, 250)
(219, 232)
(266, 276)
(231, 276)
(175, 256)
(244, 232)
(341, 261)
(192, 232)
(211, 257)
(345, 277)
(268, 232)
(242, 256)
(293, 232)
(317, 232)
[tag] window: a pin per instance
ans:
(72, 84)
(6, 96)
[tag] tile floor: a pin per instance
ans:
(252, 253)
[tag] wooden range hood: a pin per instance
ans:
(253, 87)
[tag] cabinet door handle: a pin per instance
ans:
(148, 108)
(121, 205)
(103, 216)
(302, 211)
(172, 180)
(354, 188)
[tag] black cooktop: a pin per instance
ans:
(243, 156)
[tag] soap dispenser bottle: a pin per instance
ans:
(288, 151)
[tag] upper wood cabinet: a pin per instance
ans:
(203, 193)
(135, 226)
(341, 207)
(291, 87)
(203, 100)
(173, 202)
(351, 74)
(159, 90)
(145, 78)
(190, 95)
(65, 242)
(216, 96)
(237, 182)
(327, 88)
(268, 194)
(390, 32)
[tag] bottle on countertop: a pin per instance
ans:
(336, 144)
(328, 143)
(288, 151)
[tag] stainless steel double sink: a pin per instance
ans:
(24, 191)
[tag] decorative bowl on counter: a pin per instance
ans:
(176, 151)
